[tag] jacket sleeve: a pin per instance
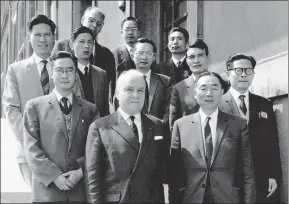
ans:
(42, 167)
(167, 102)
(175, 107)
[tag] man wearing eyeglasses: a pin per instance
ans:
(93, 18)
(259, 114)
(55, 129)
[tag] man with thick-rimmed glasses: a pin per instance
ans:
(259, 114)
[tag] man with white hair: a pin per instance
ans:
(124, 150)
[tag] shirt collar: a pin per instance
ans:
(81, 67)
(59, 96)
(38, 59)
(148, 75)
(236, 94)
(176, 61)
(214, 115)
(126, 116)
(128, 47)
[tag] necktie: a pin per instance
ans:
(242, 104)
(179, 63)
(208, 142)
(146, 104)
(65, 105)
(134, 127)
(44, 78)
(86, 71)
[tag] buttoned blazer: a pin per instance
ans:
(22, 83)
(49, 148)
(118, 169)
(264, 139)
(231, 153)
(182, 101)
(100, 89)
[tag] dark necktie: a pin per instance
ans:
(86, 71)
(146, 103)
(65, 105)
(179, 64)
(134, 127)
(242, 104)
(44, 78)
(208, 142)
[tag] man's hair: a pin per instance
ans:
(145, 40)
(41, 19)
(124, 75)
(130, 18)
(199, 43)
(239, 56)
(224, 84)
(80, 30)
(181, 30)
(93, 8)
(63, 54)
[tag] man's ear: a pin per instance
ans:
(194, 92)
(28, 37)
(71, 45)
(227, 75)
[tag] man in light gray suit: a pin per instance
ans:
(28, 79)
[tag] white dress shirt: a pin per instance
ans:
(236, 95)
(59, 96)
(212, 123)
(39, 64)
(137, 121)
(176, 61)
(81, 67)
(129, 48)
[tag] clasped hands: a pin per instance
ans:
(68, 180)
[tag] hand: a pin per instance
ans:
(62, 183)
(73, 176)
(272, 186)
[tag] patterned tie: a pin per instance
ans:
(44, 78)
(65, 105)
(134, 127)
(146, 103)
(242, 104)
(208, 142)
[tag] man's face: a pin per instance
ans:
(143, 56)
(240, 83)
(63, 74)
(82, 46)
(41, 39)
(130, 32)
(131, 95)
(177, 42)
(93, 20)
(208, 92)
(197, 60)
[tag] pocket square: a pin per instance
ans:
(158, 137)
(263, 115)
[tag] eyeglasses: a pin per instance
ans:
(147, 54)
(240, 71)
(93, 20)
(60, 71)
(131, 29)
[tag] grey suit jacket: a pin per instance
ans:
(50, 150)
(231, 154)
(22, 83)
(118, 169)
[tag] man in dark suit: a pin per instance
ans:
(27, 79)
(93, 18)
(183, 101)
(55, 129)
(211, 152)
(258, 111)
(176, 67)
(124, 150)
(91, 81)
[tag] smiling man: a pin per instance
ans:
(211, 158)
(182, 100)
(91, 81)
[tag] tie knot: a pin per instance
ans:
(179, 63)
(208, 119)
(132, 118)
(44, 62)
(242, 97)
(144, 76)
(64, 100)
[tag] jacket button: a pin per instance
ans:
(203, 185)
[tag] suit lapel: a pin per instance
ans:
(153, 86)
(171, 68)
(78, 85)
(95, 83)
(197, 130)
(253, 109)
(189, 96)
(229, 100)
(125, 61)
(58, 113)
(33, 76)
(123, 129)
(75, 116)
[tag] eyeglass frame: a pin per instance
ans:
(61, 71)
(240, 68)
(93, 20)
(147, 54)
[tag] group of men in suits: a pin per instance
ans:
(100, 126)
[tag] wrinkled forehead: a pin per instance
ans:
(94, 13)
(134, 82)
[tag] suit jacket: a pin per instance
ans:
(22, 83)
(100, 89)
(264, 140)
(182, 101)
(50, 151)
(102, 58)
(116, 170)
(232, 152)
(168, 68)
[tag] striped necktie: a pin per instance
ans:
(242, 104)
(208, 142)
(44, 78)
